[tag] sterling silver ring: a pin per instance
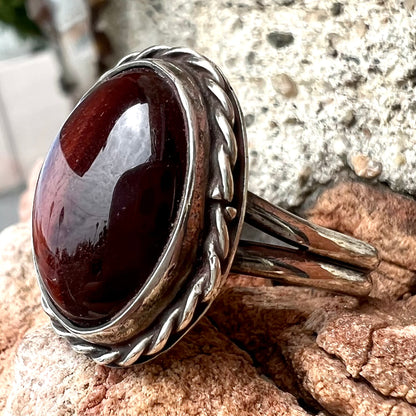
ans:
(140, 205)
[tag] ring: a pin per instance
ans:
(140, 205)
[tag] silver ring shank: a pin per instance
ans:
(321, 257)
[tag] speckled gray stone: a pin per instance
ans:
(354, 73)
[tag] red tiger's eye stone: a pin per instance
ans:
(108, 195)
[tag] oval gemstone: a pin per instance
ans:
(108, 195)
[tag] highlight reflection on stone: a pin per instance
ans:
(108, 195)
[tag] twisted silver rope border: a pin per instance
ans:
(207, 279)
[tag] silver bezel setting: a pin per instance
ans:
(123, 341)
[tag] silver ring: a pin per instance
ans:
(97, 297)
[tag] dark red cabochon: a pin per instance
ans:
(108, 195)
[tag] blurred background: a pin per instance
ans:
(48, 58)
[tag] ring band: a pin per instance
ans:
(124, 303)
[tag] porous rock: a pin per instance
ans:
(381, 217)
(391, 365)
(336, 354)
(204, 374)
(322, 348)
(327, 380)
(19, 298)
(346, 355)
(353, 63)
(40, 375)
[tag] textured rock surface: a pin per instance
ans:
(206, 374)
(325, 348)
(327, 88)
(19, 298)
(300, 351)
(392, 358)
(351, 357)
(384, 219)
(330, 384)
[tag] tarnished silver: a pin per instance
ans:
(215, 198)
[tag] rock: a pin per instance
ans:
(280, 39)
(19, 298)
(349, 119)
(361, 28)
(328, 382)
(261, 351)
(379, 36)
(356, 330)
(391, 365)
(204, 371)
(285, 85)
(409, 4)
(337, 9)
(284, 2)
(249, 119)
(386, 220)
(329, 342)
(302, 333)
(256, 317)
(365, 167)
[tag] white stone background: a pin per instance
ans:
(339, 100)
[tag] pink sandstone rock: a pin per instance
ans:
(262, 350)
(204, 374)
(381, 217)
